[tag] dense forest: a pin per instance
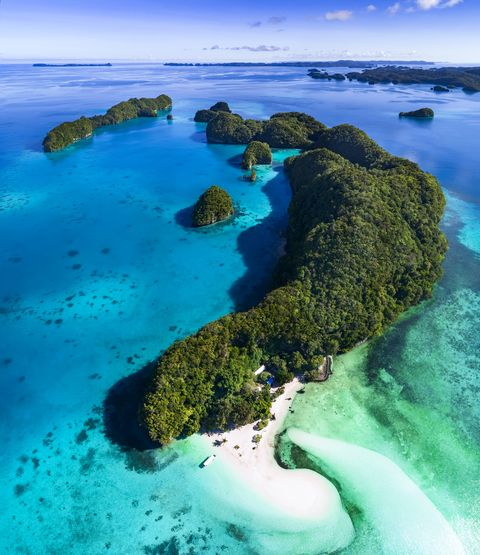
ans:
(67, 133)
(422, 113)
(256, 153)
(282, 130)
(214, 205)
(467, 78)
(363, 245)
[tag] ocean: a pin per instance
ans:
(100, 274)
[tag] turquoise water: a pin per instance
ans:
(99, 275)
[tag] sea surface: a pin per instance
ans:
(99, 273)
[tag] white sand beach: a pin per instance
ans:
(301, 493)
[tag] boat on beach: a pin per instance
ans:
(208, 461)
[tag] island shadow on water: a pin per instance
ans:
(260, 247)
(121, 411)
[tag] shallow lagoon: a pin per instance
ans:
(99, 275)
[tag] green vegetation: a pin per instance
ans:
(425, 113)
(220, 107)
(213, 206)
(256, 153)
(204, 116)
(282, 130)
(467, 78)
(69, 132)
(227, 128)
(363, 245)
(317, 74)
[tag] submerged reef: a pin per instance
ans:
(214, 205)
(256, 153)
(69, 132)
(422, 113)
(363, 245)
(467, 78)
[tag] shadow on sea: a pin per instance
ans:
(120, 411)
(260, 247)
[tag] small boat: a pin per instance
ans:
(208, 461)
(260, 370)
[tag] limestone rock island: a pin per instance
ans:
(422, 113)
(256, 153)
(214, 205)
(204, 116)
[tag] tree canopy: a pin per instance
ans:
(213, 206)
(363, 245)
(71, 131)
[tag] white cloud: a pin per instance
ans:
(259, 48)
(395, 8)
(340, 15)
(430, 4)
(371, 8)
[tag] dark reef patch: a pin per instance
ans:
(141, 461)
(20, 489)
(81, 437)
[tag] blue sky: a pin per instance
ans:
(212, 30)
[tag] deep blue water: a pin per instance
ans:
(98, 275)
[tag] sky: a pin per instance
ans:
(250, 30)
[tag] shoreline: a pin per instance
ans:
(300, 493)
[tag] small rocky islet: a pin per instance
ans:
(421, 113)
(256, 153)
(214, 205)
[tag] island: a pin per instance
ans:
(422, 113)
(73, 65)
(282, 130)
(213, 206)
(69, 132)
(204, 116)
(467, 78)
(363, 245)
(317, 74)
(440, 88)
(353, 64)
(256, 153)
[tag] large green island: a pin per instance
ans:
(69, 132)
(467, 78)
(363, 245)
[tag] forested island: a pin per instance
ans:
(204, 116)
(213, 206)
(363, 245)
(338, 63)
(421, 113)
(467, 78)
(69, 132)
(322, 74)
(73, 65)
(256, 153)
